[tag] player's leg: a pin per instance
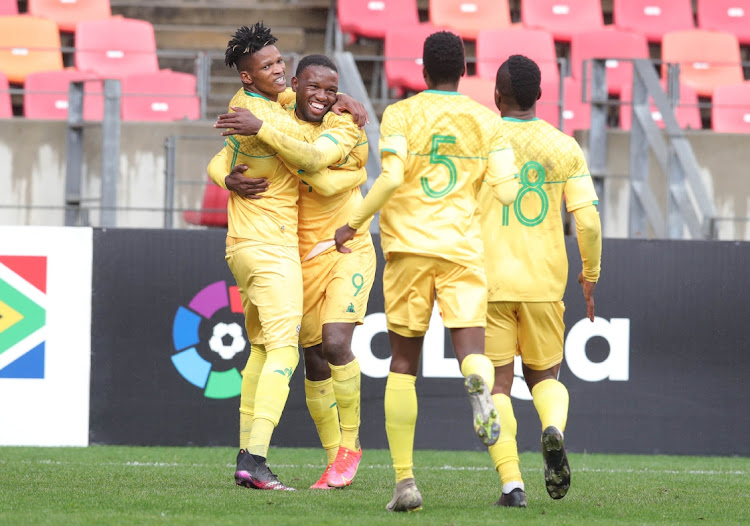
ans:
(462, 298)
(250, 375)
(276, 291)
(408, 289)
(319, 395)
(345, 306)
(500, 346)
(541, 339)
(321, 403)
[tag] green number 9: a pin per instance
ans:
(358, 284)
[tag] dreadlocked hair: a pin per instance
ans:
(246, 41)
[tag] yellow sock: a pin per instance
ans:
(250, 375)
(400, 421)
(270, 396)
(481, 365)
(504, 452)
(551, 402)
(321, 402)
(346, 382)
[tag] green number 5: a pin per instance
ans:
(436, 158)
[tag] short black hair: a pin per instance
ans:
(246, 41)
(315, 60)
(443, 56)
(519, 78)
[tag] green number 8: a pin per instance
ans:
(533, 187)
(436, 158)
(358, 284)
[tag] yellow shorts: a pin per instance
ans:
(411, 282)
(336, 289)
(534, 330)
(269, 278)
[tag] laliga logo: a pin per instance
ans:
(616, 367)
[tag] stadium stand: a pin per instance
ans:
(162, 96)
(707, 58)
(403, 56)
(563, 18)
(116, 47)
(687, 111)
(653, 18)
(214, 198)
(479, 89)
(28, 44)
(67, 13)
(6, 109)
(468, 17)
(731, 108)
(46, 95)
(611, 44)
(732, 16)
(576, 113)
(8, 7)
(373, 18)
(495, 46)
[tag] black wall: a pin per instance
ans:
(685, 354)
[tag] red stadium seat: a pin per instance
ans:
(731, 108)
(8, 7)
(731, 16)
(116, 47)
(28, 44)
(707, 58)
(213, 211)
(653, 18)
(373, 18)
(687, 112)
(469, 17)
(403, 56)
(562, 18)
(67, 13)
(162, 96)
(611, 44)
(6, 108)
(46, 95)
(576, 114)
(495, 46)
(481, 90)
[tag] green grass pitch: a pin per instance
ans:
(195, 486)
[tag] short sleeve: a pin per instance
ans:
(501, 162)
(579, 187)
(393, 133)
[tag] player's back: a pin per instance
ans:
(274, 218)
(445, 139)
(525, 242)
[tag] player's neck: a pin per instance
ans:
(273, 97)
(443, 86)
(521, 115)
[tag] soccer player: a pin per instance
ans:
(527, 270)
(438, 147)
(336, 287)
(262, 250)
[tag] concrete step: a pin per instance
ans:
(303, 14)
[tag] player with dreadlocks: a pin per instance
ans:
(438, 147)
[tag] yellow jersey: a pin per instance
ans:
(446, 141)
(273, 219)
(320, 215)
(525, 243)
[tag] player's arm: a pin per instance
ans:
(235, 181)
(502, 173)
(581, 201)
(329, 181)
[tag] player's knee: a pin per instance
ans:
(337, 348)
(316, 365)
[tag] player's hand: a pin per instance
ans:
(247, 187)
(588, 295)
(356, 108)
(241, 122)
(342, 235)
